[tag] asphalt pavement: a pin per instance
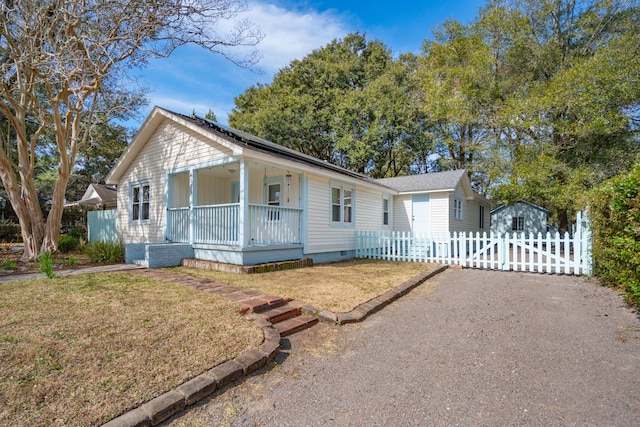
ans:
(467, 348)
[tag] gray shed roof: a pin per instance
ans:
(426, 182)
(524, 202)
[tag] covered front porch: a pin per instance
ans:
(232, 207)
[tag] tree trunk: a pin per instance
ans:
(563, 220)
(54, 219)
(24, 201)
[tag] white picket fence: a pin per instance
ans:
(551, 253)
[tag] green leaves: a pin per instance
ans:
(616, 224)
(349, 103)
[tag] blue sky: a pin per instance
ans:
(193, 78)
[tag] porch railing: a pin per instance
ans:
(178, 225)
(270, 225)
(216, 224)
(219, 224)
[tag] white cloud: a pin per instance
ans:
(192, 78)
(292, 34)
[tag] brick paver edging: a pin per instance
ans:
(363, 310)
(170, 403)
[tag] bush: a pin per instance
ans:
(8, 264)
(68, 243)
(105, 252)
(10, 233)
(46, 264)
(77, 232)
(616, 233)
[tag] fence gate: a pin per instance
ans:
(101, 225)
(550, 253)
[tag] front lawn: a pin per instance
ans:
(338, 287)
(79, 350)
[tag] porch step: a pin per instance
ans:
(295, 324)
(140, 262)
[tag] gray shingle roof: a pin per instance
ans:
(426, 182)
(107, 193)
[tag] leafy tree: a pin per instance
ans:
(349, 103)
(457, 82)
(63, 67)
(211, 116)
(539, 96)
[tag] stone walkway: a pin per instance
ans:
(72, 272)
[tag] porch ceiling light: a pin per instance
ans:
(232, 170)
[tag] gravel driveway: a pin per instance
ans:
(467, 348)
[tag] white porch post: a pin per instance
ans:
(193, 188)
(304, 205)
(243, 214)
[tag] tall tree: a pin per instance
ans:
(457, 80)
(574, 96)
(538, 97)
(63, 63)
(349, 103)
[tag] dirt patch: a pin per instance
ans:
(10, 263)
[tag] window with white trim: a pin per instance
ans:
(457, 209)
(341, 204)
(385, 211)
(141, 202)
(517, 223)
(481, 225)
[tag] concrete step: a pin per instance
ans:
(282, 313)
(295, 324)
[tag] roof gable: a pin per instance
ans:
(151, 124)
(430, 182)
(524, 202)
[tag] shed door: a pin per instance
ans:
(420, 213)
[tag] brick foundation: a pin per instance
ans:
(248, 269)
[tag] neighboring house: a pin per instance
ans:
(520, 217)
(98, 195)
(189, 187)
(437, 202)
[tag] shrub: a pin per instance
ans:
(46, 264)
(77, 232)
(68, 243)
(616, 233)
(105, 252)
(10, 233)
(8, 264)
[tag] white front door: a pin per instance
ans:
(420, 213)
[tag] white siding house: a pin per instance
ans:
(520, 217)
(438, 202)
(191, 188)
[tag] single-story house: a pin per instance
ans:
(437, 202)
(520, 217)
(188, 187)
(98, 195)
